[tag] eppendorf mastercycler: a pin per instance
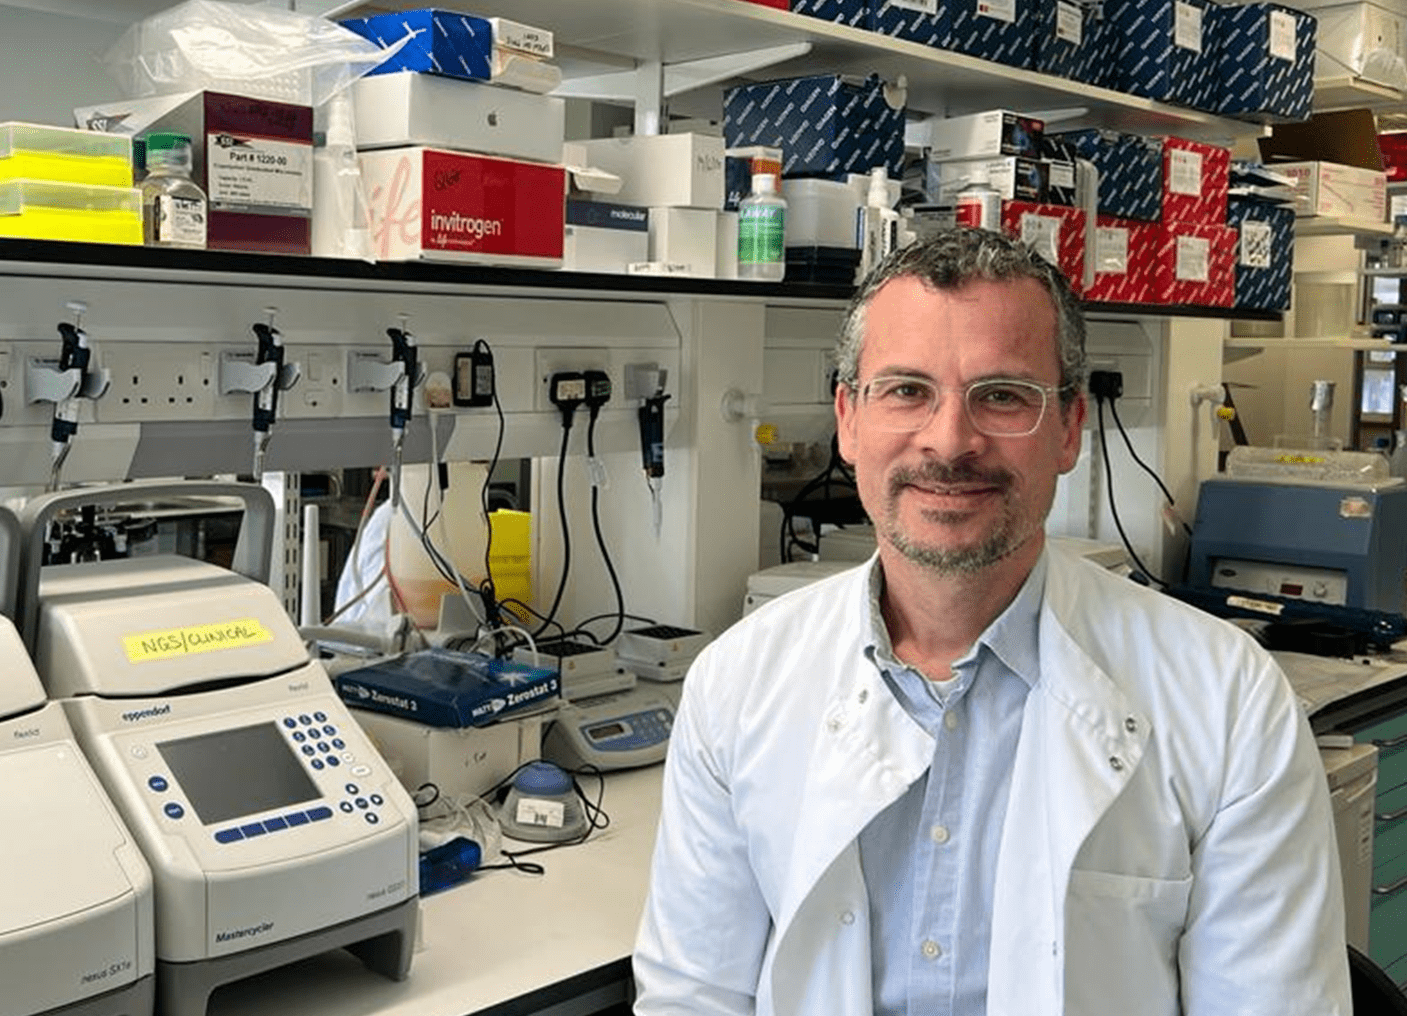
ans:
(273, 828)
(76, 913)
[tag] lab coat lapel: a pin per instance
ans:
(1075, 755)
(865, 754)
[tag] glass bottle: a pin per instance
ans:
(762, 217)
(173, 205)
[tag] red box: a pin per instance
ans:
(1195, 178)
(431, 204)
(1393, 147)
(1057, 232)
(1194, 265)
(781, 5)
(1123, 253)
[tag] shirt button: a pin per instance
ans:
(950, 720)
(848, 917)
(930, 949)
(939, 834)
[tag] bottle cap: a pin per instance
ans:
(165, 142)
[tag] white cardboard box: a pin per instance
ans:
(989, 133)
(428, 109)
(1327, 188)
(661, 170)
(726, 264)
(604, 237)
(1359, 39)
(468, 760)
(685, 236)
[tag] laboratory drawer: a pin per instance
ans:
(1397, 971)
(1389, 843)
(1387, 934)
(1391, 732)
(1392, 767)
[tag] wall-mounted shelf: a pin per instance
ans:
(1333, 225)
(618, 34)
(1350, 92)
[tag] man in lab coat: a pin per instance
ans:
(976, 775)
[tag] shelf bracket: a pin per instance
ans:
(652, 82)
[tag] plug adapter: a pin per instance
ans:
(1106, 384)
(567, 390)
(598, 388)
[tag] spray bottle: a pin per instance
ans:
(876, 224)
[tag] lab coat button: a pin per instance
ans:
(1131, 725)
(864, 695)
(833, 724)
(848, 917)
(1116, 763)
(950, 720)
(931, 950)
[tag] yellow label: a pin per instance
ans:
(200, 638)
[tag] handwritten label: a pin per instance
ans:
(200, 638)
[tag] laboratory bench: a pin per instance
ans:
(504, 943)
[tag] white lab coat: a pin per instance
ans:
(1168, 845)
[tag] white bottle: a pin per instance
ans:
(173, 206)
(762, 217)
(876, 224)
(341, 224)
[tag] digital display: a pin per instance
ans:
(606, 730)
(238, 772)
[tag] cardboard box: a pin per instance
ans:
(855, 13)
(441, 42)
(1130, 171)
(982, 135)
(252, 157)
(394, 110)
(1366, 40)
(1265, 253)
(468, 760)
(1002, 31)
(1162, 50)
(437, 205)
(1059, 160)
(927, 22)
(604, 237)
(1326, 188)
(1194, 265)
(1123, 253)
(1055, 232)
(445, 688)
(661, 170)
(520, 38)
(685, 236)
(726, 261)
(1072, 40)
(1195, 181)
(1015, 178)
(1264, 61)
(825, 124)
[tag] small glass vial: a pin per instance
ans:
(762, 218)
(173, 205)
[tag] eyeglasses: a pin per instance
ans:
(997, 407)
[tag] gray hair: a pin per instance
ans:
(950, 259)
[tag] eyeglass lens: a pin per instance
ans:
(998, 408)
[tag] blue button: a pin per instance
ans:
(372, 818)
(324, 747)
(228, 835)
(319, 813)
(377, 800)
(329, 730)
(174, 810)
(333, 760)
(321, 717)
(338, 743)
(317, 763)
(296, 818)
(289, 721)
(305, 719)
(361, 803)
(352, 788)
(308, 749)
(299, 736)
(158, 783)
(252, 829)
(274, 824)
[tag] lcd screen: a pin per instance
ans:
(238, 772)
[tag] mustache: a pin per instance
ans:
(943, 474)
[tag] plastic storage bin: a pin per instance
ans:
(66, 154)
(45, 210)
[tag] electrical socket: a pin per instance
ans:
(552, 361)
(156, 381)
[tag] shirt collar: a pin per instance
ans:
(1014, 637)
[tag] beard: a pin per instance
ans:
(1008, 533)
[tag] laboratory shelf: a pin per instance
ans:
(1333, 225)
(619, 35)
(1352, 92)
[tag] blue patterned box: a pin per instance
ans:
(855, 13)
(1265, 61)
(1130, 171)
(1163, 50)
(999, 30)
(824, 124)
(1264, 252)
(927, 22)
(1072, 40)
(443, 42)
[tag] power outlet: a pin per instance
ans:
(155, 381)
(560, 360)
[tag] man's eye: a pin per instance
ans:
(903, 391)
(1004, 396)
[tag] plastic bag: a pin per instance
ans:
(248, 50)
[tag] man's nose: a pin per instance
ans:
(949, 433)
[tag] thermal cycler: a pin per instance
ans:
(273, 828)
(76, 918)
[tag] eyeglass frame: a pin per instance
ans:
(861, 397)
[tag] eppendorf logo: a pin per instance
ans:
(253, 931)
(465, 225)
